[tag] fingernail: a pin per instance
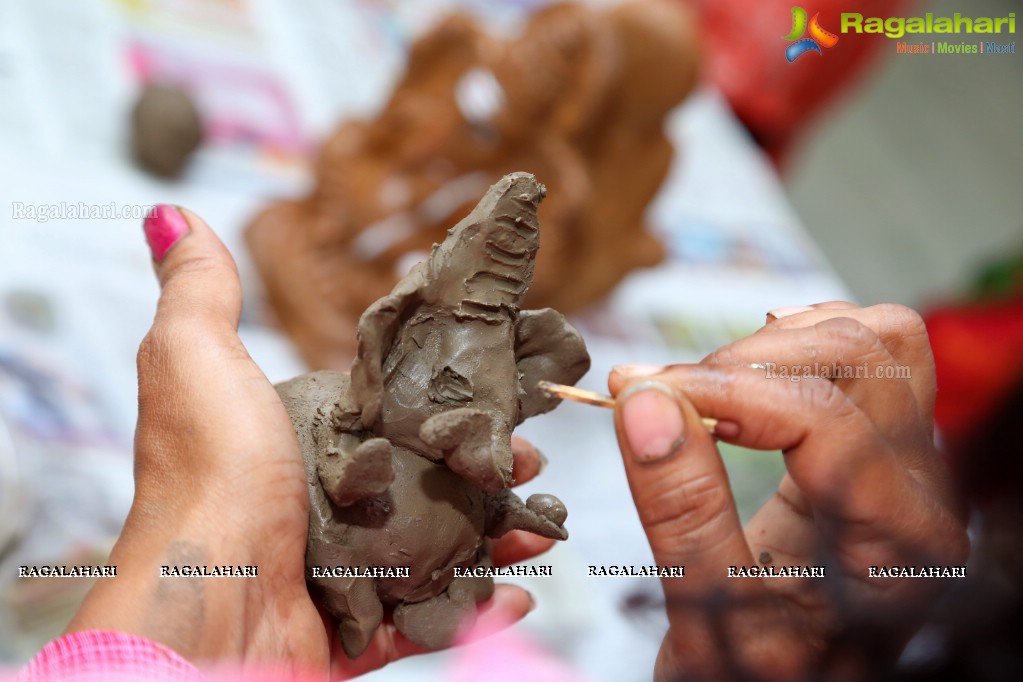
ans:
(785, 311)
(654, 427)
(727, 430)
(532, 601)
(637, 370)
(164, 227)
(543, 462)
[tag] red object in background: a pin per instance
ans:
(978, 353)
(744, 56)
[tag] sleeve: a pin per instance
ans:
(94, 655)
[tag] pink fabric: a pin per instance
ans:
(107, 657)
(99, 656)
(501, 653)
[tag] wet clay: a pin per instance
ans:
(579, 97)
(166, 129)
(409, 459)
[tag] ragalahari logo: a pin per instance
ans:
(818, 36)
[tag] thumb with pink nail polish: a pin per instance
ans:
(164, 227)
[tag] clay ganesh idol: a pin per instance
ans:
(409, 459)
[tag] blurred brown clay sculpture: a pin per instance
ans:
(409, 460)
(579, 98)
(166, 129)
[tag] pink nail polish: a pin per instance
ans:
(164, 227)
(653, 424)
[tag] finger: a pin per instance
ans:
(901, 330)
(193, 341)
(830, 445)
(788, 311)
(192, 365)
(508, 605)
(519, 545)
(841, 350)
(859, 486)
(194, 337)
(527, 462)
(197, 274)
(678, 483)
(785, 311)
(388, 645)
(834, 305)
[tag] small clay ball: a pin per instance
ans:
(166, 129)
(549, 507)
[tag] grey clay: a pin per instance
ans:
(409, 460)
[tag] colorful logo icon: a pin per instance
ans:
(818, 36)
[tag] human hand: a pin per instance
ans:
(219, 480)
(865, 486)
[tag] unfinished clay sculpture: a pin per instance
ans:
(579, 97)
(409, 460)
(166, 130)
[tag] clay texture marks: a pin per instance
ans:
(455, 340)
(409, 461)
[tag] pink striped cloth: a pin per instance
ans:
(94, 656)
(109, 657)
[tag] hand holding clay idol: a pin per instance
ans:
(409, 460)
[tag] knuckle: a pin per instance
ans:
(844, 329)
(721, 356)
(906, 332)
(185, 333)
(900, 319)
(198, 266)
(857, 340)
(686, 509)
(156, 365)
(165, 351)
(197, 314)
(202, 286)
(153, 349)
(823, 397)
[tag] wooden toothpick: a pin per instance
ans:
(580, 395)
(576, 394)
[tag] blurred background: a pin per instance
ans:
(910, 184)
(850, 173)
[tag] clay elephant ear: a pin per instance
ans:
(375, 335)
(547, 348)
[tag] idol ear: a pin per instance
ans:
(547, 348)
(375, 336)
